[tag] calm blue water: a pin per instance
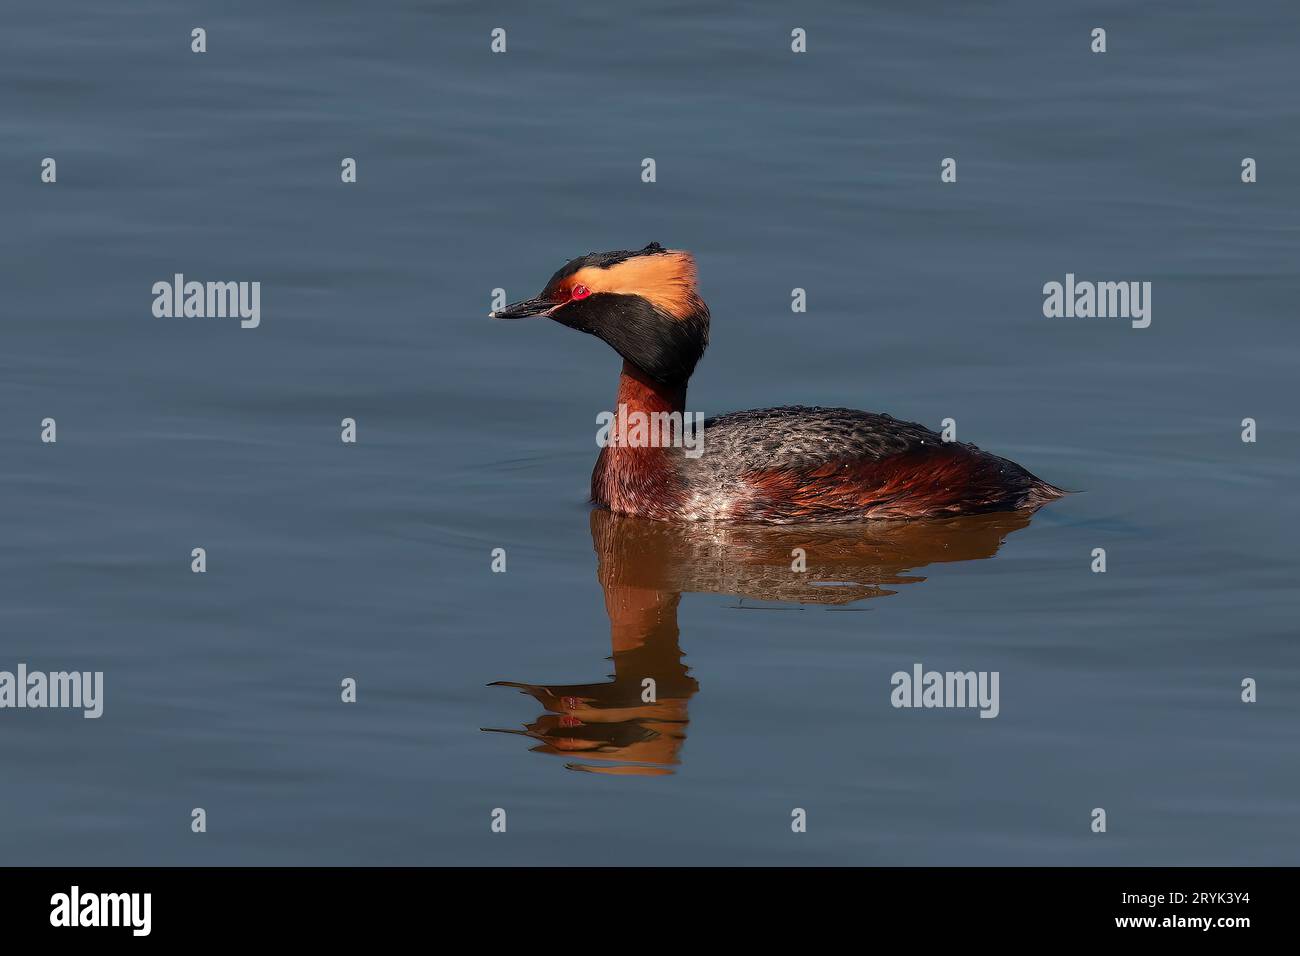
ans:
(372, 561)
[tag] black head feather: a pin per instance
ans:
(603, 260)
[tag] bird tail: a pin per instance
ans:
(1040, 493)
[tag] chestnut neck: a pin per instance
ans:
(638, 392)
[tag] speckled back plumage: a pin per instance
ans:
(798, 463)
(802, 436)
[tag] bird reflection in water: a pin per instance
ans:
(635, 724)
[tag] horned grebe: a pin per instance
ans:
(772, 465)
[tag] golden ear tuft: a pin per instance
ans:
(667, 279)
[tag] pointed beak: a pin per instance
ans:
(522, 310)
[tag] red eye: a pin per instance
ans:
(579, 292)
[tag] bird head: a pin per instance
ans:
(643, 303)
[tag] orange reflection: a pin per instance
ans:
(636, 722)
